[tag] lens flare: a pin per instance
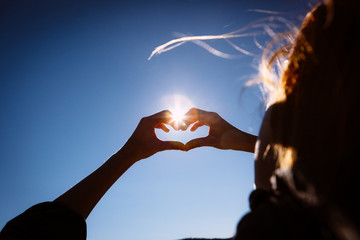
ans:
(177, 117)
(178, 105)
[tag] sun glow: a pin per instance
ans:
(178, 105)
(177, 117)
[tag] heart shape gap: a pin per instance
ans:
(182, 136)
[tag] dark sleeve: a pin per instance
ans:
(281, 217)
(48, 220)
(266, 220)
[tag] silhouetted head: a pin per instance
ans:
(316, 117)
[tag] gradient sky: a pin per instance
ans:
(74, 82)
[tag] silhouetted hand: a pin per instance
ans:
(222, 134)
(143, 143)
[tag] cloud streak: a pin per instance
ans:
(199, 41)
(265, 11)
(266, 26)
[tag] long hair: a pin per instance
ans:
(318, 114)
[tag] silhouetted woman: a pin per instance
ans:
(306, 155)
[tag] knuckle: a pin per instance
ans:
(213, 115)
(144, 120)
(165, 112)
(193, 109)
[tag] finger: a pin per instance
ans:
(186, 124)
(191, 116)
(196, 114)
(179, 125)
(175, 125)
(183, 125)
(171, 145)
(160, 117)
(163, 127)
(200, 142)
(196, 126)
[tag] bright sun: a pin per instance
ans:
(177, 116)
(178, 106)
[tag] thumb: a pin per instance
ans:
(200, 142)
(171, 145)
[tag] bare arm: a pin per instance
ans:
(83, 197)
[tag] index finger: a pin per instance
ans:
(160, 117)
(196, 114)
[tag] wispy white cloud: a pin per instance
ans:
(199, 41)
(265, 11)
(266, 26)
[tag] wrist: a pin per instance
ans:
(128, 154)
(241, 141)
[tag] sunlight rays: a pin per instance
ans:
(178, 105)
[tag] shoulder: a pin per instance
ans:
(48, 220)
(281, 215)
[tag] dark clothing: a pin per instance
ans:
(292, 211)
(273, 217)
(285, 213)
(45, 221)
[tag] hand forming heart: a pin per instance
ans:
(144, 141)
(219, 133)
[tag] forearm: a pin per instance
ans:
(143, 143)
(83, 197)
(239, 140)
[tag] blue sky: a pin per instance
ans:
(75, 80)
